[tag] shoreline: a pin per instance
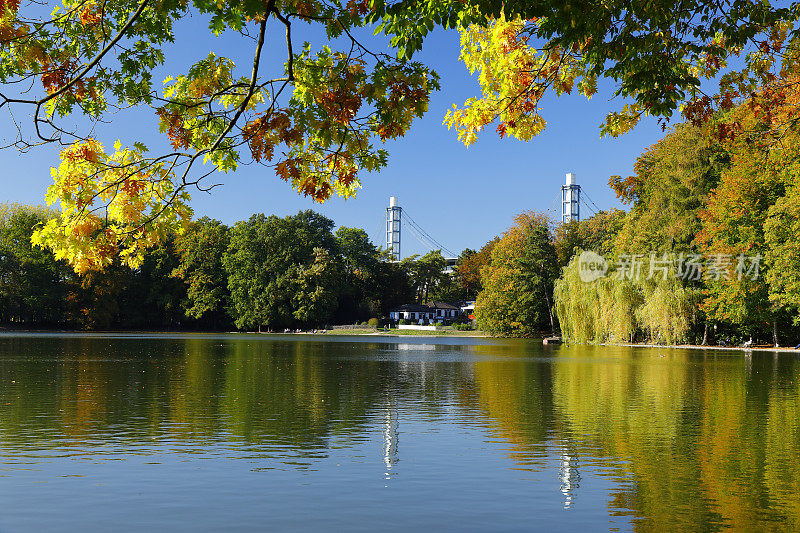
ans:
(406, 333)
(328, 333)
(392, 333)
(780, 349)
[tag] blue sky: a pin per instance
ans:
(462, 196)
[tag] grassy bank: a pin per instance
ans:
(365, 331)
(786, 349)
(408, 332)
(442, 333)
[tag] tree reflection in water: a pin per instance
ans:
(685, 438)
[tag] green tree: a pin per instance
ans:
(726, 197)
(673, 180)
(315, 288)
(263, 261)
(596, 233)
(32, 288)
(100, 297)
(448, 290)
(756, 187)
(359, 297)
(656, 55)
(318, 120)
(518, 282)
(782, 235)
(357, 251)
(153, 298)
(469, 267)
(200, 251)
(393, 286)
(620, 309)
(426, 273)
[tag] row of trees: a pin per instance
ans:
(697, 192)
(701, 192)
(264, 272)
(704, 197)
(321, 120)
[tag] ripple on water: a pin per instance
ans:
(219, 432)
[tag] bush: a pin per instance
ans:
(404, 322)
(463, 327)
(374, 322)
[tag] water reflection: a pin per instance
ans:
(390, 438)
(675, 439)
(569, 474)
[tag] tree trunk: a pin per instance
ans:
(549, 310)
(775, 332)
(705, 334)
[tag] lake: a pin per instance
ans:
(103, 432)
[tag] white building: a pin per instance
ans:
(431, 312)
(467, 308)
(444, 310)
(450, 265)
(412, 312)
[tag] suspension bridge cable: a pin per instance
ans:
(434, 244)
(430, 238)
(412, 222)
(420, 233)
(588, 207)
(422, 240)
(425, 245)
(380, 241)
(594, 204)
(556, 211)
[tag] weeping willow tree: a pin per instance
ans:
(667, 309)
(615, 308)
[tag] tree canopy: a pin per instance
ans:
(268, 261)
(518, 281)
(721, 209)
(29, 290)
(655, 55)
(321, 120)
(199, 266)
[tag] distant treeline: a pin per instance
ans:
(266, 272)
(708, 253)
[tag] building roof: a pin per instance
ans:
(412, 308)
(429, 307)
(441, 305)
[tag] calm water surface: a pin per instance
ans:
(238, 432)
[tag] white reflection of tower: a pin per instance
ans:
(390, 424)
(569, 476)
